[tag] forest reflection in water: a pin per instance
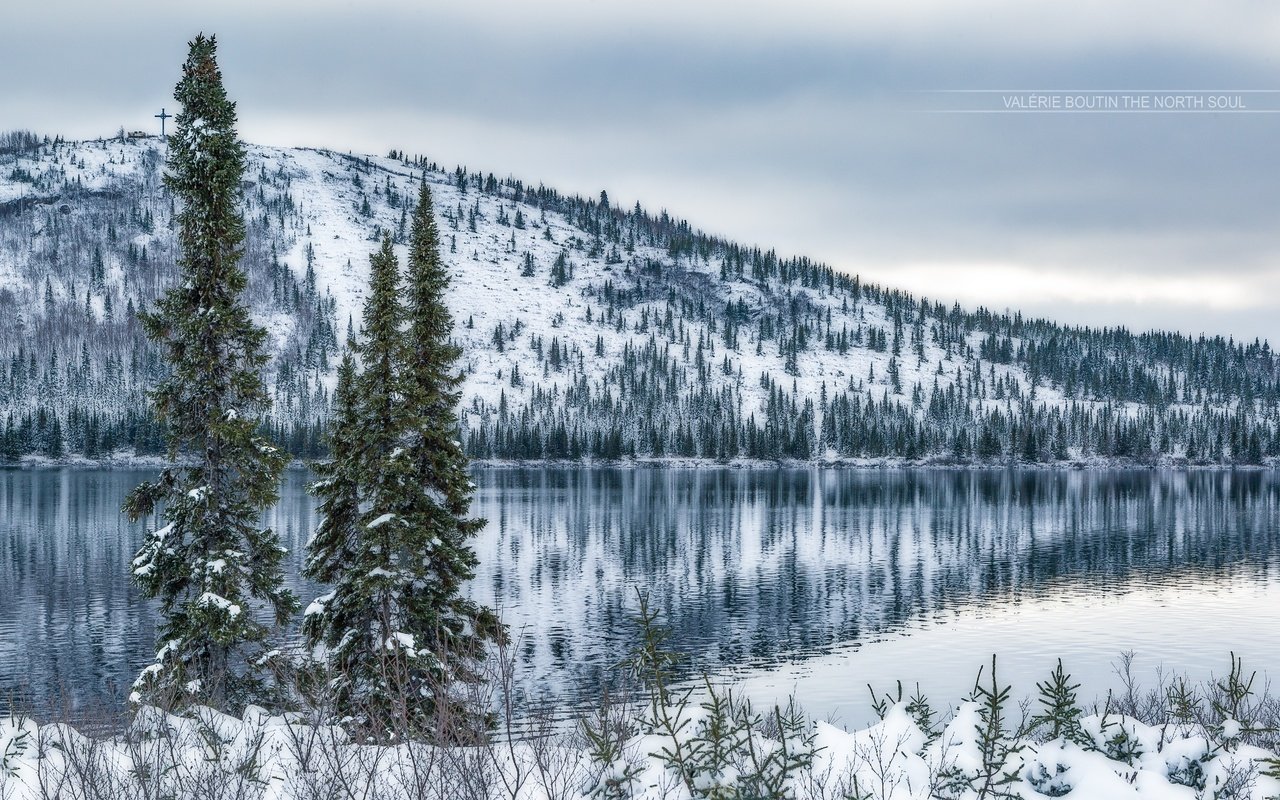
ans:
(750, 568)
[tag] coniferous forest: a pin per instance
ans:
(591, 332)
(392, 623)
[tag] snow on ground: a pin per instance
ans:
(206, 754)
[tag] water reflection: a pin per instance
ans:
(746, 566)
(756, 566)
(70, 619)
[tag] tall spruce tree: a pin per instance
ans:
(212, 562)
(394, 541)
(358, 625)
(437, 489)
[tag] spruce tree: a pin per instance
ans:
(211, 563)
(395, 541)
(1060, 714)
(333, 548)
(438, 486)
(357, 626)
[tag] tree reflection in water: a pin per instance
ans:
(747, 566)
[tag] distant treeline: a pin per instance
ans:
(689, 346)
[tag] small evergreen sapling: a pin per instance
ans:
(917, 707)
(1061, 713)
(1060, 720)
(615, 766)
(1233, 712)
(996, 746)
(728, 751)
(16, 744)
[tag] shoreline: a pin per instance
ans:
(1096, 464)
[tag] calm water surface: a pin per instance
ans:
(815, 582)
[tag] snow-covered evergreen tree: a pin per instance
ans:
(333, 547)
(394, 542)
(437, 489)
(211, 560)
(354, 627)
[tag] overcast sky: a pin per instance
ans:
(809, 126)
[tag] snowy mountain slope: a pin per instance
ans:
(587, 331)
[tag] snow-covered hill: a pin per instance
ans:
(589, 331)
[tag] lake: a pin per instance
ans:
(806, 581)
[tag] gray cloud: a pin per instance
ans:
(801, 128)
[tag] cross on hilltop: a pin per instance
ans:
(162, 116)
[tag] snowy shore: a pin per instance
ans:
(205, 754)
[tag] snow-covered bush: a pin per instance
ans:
(666, 739)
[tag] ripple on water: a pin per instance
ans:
(821, 580)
